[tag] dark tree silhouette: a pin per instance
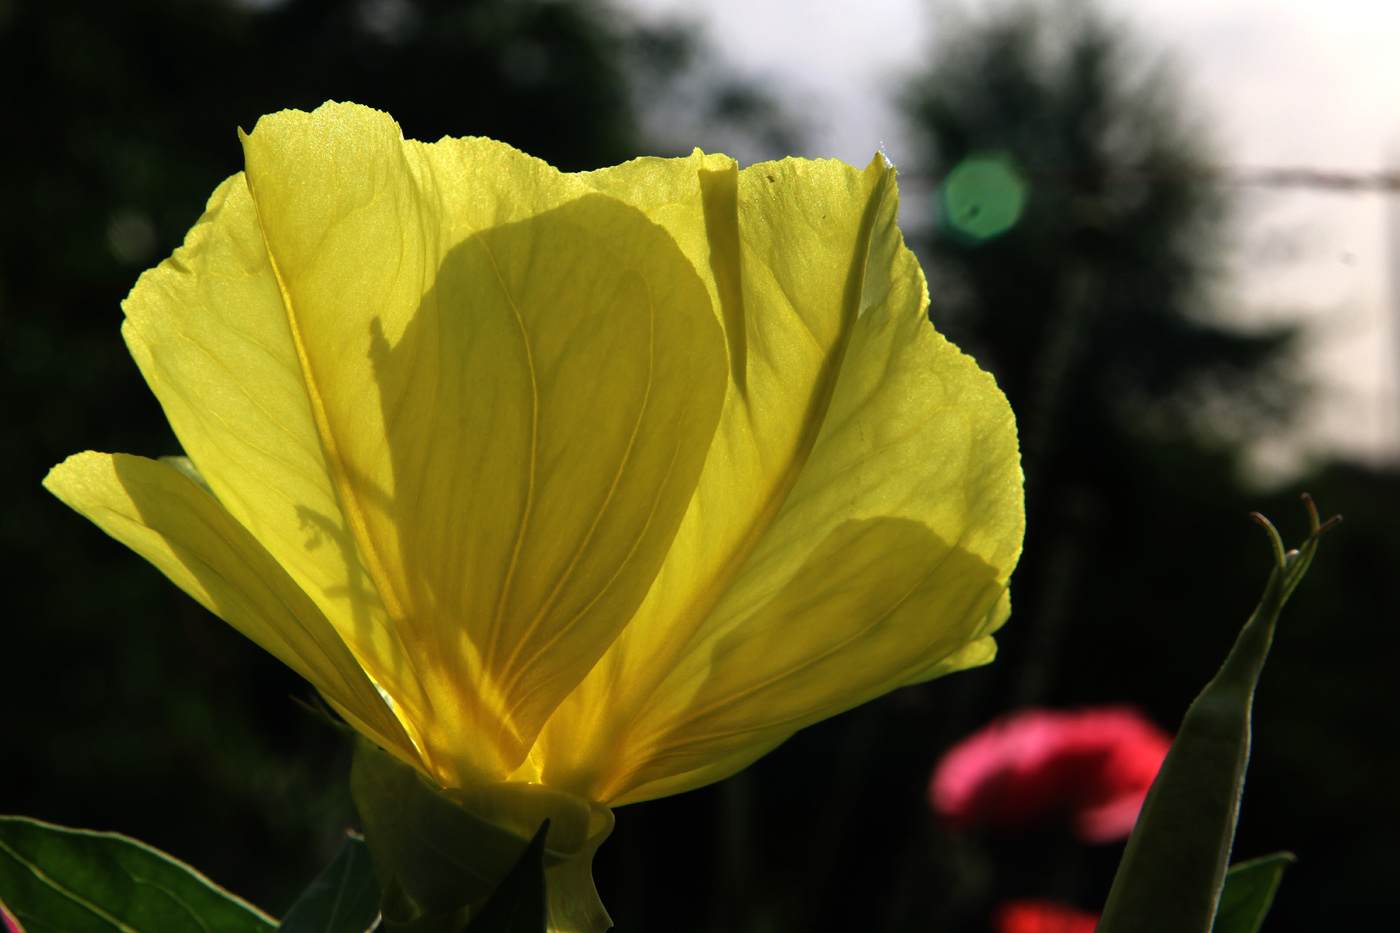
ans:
(1096, 310)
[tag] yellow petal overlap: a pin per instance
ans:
(788, 303)
(515, 381)
(605, 483)
(175, 524)
(850, 407)
(208, 329)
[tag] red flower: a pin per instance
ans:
(1092, 765)
(1039, 916)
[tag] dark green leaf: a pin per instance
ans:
(8, 921)
(57, 880)
(1249, 893)
(344, 898)
(518, 903)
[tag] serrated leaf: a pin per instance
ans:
(518, 903)
(344, 898)
(1249, 893)
(59, 880)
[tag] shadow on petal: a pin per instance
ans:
(880, 600)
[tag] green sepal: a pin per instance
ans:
(519, 904)
(1173, 868)
(59, 880)
(439, 854)
(344, 898)
(426, 849)
(1249, 893)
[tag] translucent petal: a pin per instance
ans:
(853, 437)
(891, 554)
(515, 380)
(182, 529)
(208, 329)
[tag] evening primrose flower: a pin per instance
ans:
(566, 491)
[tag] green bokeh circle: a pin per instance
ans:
(983, 197)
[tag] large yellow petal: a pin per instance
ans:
(167, 518)
(515, 379)
(915, 468)
(785, 269)
(208, 330)
(889, 559)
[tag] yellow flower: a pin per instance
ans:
(602, 484)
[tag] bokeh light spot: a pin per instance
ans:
(982, 197)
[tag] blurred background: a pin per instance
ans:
(1167, 229)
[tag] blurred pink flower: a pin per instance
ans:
(1093, 765)
(1041, 916)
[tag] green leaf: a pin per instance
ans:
(1249, 893)
(344, 898)
(58, 880)
(518, 903)
(8, 921)
(1173, 868)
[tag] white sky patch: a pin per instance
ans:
(1311, 83)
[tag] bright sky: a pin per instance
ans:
(1284, 83)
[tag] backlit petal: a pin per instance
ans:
(786, 319)
(185, 532)
(208, 329)
(903, 512)
(515, 380)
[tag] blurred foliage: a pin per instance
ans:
(1108, 325)
(687, 96)
(124, 706)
